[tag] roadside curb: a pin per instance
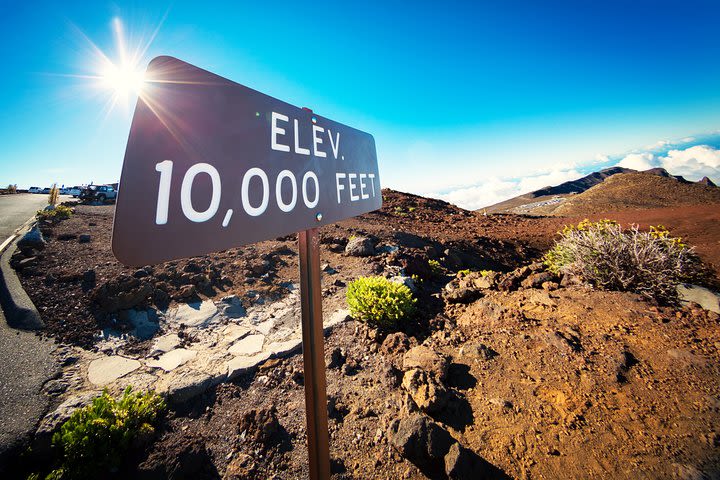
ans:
(20, 312)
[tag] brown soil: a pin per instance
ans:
(71, 281)
(635, 191)
(584, 385)
(578, 383)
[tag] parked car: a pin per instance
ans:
(34, 190)
(98, 193)
(74, 191)
(45, 190)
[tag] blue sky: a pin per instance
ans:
(457, 94)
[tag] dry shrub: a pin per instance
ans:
(607, 256)
(53, 195)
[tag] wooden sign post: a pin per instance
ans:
(211, 164)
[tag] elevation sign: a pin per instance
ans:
(211, 164)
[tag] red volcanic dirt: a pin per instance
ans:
(699, 224)
(542, 380)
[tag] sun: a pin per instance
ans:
(123, 78)
(116, 76)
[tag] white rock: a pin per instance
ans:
(145, 322)
(248, 346)
(107, 369)
(283, 333)
(165, 344)
(171, 360)
(707, 299)
(232, 307)
(265, 326)
(196, 314)
(239, 365)
(283, 348)
(336, 317)
(183, 387)
(234, 331)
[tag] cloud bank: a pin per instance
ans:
(497, 189)
(693, 163)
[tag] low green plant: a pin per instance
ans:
(463, 273)
(604, 254)
(61, 212)
(485, 273)
(435, 267)
(379, 302)
(95, 438)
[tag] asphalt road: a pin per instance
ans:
(27, 360)
(16, 210)
(27, 363)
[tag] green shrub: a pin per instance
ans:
(435, 267)
(95, 438)
(61, 212)
(463, 273)
(609, 257)
(379, 302)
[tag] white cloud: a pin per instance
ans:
(494, 189)
(692, 163)
(639, 161)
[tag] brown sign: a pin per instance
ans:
(211, 164)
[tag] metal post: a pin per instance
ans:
(313, 355)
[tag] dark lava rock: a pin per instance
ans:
(536, 280)
(192, 267)
(395, 343)
(336, 359)
(463, 295)
(259, 425)
(511, 281)
(427, 393)
(464, 464)
(141, 273)
(185, 292)
(452, 260)
(626, 361)
(427, 360)
(416, 265)
(360, 247)
(84, 238)
(420, 440)
(88, 280)
(121, 293)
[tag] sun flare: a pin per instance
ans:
(116, 76)
(122, 79)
